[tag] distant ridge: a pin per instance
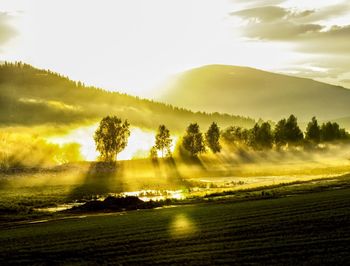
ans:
(30, 96)
(256, 93)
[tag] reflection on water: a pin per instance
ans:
(147, 195)
(144, 195)
(60, 207)
(155, 195)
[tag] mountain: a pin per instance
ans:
(30, 96)
(256, 93)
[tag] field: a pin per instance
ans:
(32, 193)
(247, 213)
(312, 228)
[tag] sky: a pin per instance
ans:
(134, 46)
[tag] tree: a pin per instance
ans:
(293, 132)
(111, 137)
(313, 131)
(193, 140)
(252, 136)
(163, 140)
(236, 135)
(212, 138)
(280, 134)
(332, 131)
(288, 131)
(264, 138)
(260, 137)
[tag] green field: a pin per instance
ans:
(28, 194)
(312, 228)
(287, 213)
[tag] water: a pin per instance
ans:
(144, 195)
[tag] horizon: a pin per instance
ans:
(125, 48)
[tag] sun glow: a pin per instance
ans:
(182, 226)
(135, 46)
(139, 144)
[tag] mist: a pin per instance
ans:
(18, 150)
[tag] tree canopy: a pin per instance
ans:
(261, 137)
(163, 140)
(313, 131)
(212, 138)
(111, 137)
(193, 140)
(288, 132)
(332, 131)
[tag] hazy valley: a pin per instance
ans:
(51, 169)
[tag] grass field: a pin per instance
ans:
(26, 194)
(312, 228)
(291, 213)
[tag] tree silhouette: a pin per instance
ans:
(288, 132)
(261, 136)
(111, 137)
(293, 132)
(212, 138)
(193, 140)
(236, 135)
(163, 140)
(265, 136)
(280, 133)
(252, 136)
(313, 131)
(332, 131)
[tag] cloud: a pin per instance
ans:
(276, 23)
(332, 41)
(281, 24)
(326, 13)
(336, 64)
(257, 3)
(307, 37)
(327, 68)
(313, 32)
(7, 32)
(313, 72)
(264, 14)
(271, 13)
(281, 31)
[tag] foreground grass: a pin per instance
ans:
(304, 229)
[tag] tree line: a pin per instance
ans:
(111, 137)
(285, 133)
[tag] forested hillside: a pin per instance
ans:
(29, 96)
